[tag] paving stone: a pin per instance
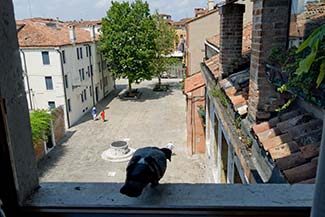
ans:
(156, 119)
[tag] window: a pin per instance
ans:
(91, 70)
(49, 83)
(86, 51)
(78, 57)
(63, 57)
(80, 52)
(99, 68)
(88, 71)
(101, 84)
(80, 75)
(51, 105)
(89, 51)
(83, 73)
(85, 94)
(91, 90)
(66, 81)
(69, 105)
(45, 58)
(82, 97)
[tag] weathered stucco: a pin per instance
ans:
(12, 90)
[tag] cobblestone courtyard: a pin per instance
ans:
(155, 119)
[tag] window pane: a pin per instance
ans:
(51, 104)
(77, 53)
(49, 83)
(66, 81)
(63, 56)
(45, 57)
(69, 105)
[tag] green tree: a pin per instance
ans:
(128, 41)
(165, 45)
(40, 121)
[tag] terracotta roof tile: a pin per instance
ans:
(194, 82)
(310, 151)
(308, 181)
(291, 161)
(213, 65)
(215, 40)
(292, 140)
(181, 22)
(236, 89)
(284, 150)
(301, 173)
(48, 33)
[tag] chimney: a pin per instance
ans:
(231, 34)
(57, 23)
(199, 11)
(210, 5)
(72, 34)
(92, 32)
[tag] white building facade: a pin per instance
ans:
(72, 75)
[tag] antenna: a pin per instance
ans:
(30, 9)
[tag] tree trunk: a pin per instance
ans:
(159, 80)
(130, 87)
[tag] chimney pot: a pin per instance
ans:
(72, 34)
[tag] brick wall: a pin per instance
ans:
(231, 34)
(270, 30)
(58, 124)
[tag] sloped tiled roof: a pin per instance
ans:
(41, 32)
(292, 140)
(236, 88)
(86, 23)
(194, 82)
(213, 64)
(181, 22)
(214, 40)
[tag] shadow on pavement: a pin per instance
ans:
(147, 93)
(103, 104)
(55, 155)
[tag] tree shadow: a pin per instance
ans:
(147, 93)
(101, 105)
(55, 155)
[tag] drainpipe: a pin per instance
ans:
(27, 79)
(64, 87)
(91, 73)
(102, 69)
(318, 208)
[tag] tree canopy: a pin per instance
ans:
(164, 45)
(128, 40)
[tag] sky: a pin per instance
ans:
(96, 9)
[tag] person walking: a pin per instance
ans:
(94, 113)
(102, 114)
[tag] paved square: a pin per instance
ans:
(155, 119)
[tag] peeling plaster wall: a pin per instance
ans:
(13, 91)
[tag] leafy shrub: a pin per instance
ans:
(40, 122)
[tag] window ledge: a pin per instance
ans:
(185, 196)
